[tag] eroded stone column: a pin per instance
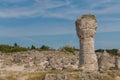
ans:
(86, 30)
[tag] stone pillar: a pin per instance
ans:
(86, 29)
(117, 60)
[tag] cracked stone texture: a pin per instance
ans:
(105, 61)
(86, 29)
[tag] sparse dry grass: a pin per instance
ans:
(71, 74)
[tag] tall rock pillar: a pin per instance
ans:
(86, 29)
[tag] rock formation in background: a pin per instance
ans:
(86, 29)
(105, 61)
(117, 60)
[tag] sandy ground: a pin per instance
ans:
(12, 68)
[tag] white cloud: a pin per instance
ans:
(12, 1)
(65, 9)
(45, 8)
(40, 8)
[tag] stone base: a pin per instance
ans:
(88, 63)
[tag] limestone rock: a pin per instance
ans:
(117, 60)
(16, 58)
(86, 29)
(117, 78)
(105, 61)
(118, 52)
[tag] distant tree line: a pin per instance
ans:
(17, 48)
(110, 51)
(7, 48)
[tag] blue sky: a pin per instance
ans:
(52, 22)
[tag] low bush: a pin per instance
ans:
(7, 48)
(67, 49)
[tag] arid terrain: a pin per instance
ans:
(53, 65)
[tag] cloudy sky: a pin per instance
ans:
(52, 22)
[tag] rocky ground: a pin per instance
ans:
(34, 61)
(53, 65)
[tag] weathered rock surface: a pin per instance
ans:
(105, 61)
(39, 61)
(117, 60)
(86, 29)
(35, 61)
(51, 60)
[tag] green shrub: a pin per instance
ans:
(7, 48)
(99, 50)
(15, 45)
(44, 47)
(33, 47)
(112, 51)
(18, 49)
(67, 49)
